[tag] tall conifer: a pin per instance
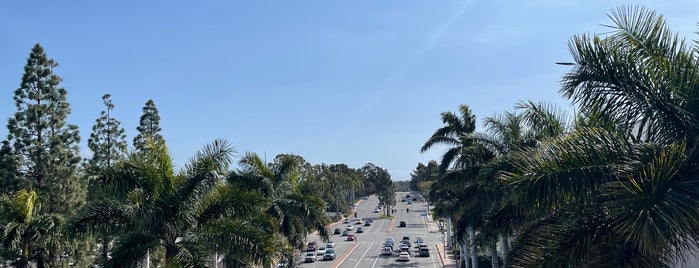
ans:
(107, 140)
(45, 146)
(9, 181)
(148, 126)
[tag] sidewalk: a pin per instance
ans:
(446, 258)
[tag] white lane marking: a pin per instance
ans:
(376, 260)
(367, 250)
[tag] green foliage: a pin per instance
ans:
(45, 144)
(107, 140)
(422, 174)
(155, 207)
(9, 172)
(381, 181)
(297, 214)
(148, 127)
(32, 235)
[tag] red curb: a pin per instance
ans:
(441, 259)
(342, 258)
(391, 225)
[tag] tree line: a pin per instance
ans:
(127, 207)
(614, 184)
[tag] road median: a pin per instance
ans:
(344, 256)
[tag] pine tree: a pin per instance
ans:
(9, 181)
(108, 140)
(45, 146)
(148, 127)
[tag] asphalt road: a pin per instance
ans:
(365, 251)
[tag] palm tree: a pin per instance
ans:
(296, 214)
(186, 214)
(505, 134)
(26, 231)
(621, 188)
(460, 164)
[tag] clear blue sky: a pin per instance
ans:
(333, 81)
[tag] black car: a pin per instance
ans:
(424, 252)
(337, 231)
(402, 224)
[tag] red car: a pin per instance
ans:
(312, 246)
(351, 238)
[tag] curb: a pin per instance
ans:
(441, 259)
(391, 225)
(342, 258)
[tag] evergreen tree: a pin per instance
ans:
(148, 127)
(107, 141)
(45, 146)
(9, 181)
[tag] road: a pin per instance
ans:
(365, 251)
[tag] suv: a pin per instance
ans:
(424, 252)
(312, 246)
(329, 254)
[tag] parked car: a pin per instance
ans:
(329, 255)
(376, 210)
(330, 245)
(351, 237)
(337, 231)
(402, 224)
(386, 251)
(404, 256)
(360, 230)
(424, 252)
(367, 223)
(347, 221)
(310, 257)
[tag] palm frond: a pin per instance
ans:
(130, 249)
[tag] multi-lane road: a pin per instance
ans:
(365, 251)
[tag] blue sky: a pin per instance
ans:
(333, 81)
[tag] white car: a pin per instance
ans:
(330, 244)
(347, 220)
(310, 257)
(404, 256)
(321, 251)
(349, 227)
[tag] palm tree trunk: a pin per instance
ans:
(472, 245)
(494, 255)
(463, 250)
(505, 240)
(24, 258)
(148, 259)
